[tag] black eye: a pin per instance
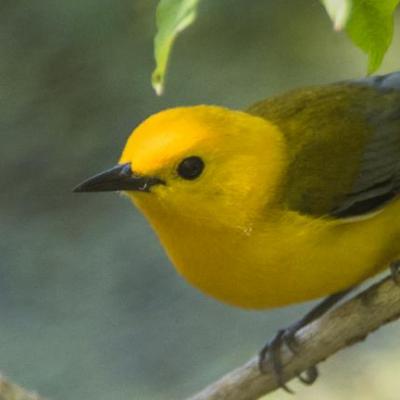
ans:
(191, 167)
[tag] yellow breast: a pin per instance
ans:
(287, 259)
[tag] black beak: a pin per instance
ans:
(117, 178)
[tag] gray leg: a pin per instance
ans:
(287, 336)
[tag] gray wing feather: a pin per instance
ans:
(381, 82)
(378, 181)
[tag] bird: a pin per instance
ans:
(293, 199)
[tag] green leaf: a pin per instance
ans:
(339, 11)
(172, 17)
(368, 23)
(370, 26)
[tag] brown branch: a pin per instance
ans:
(351, 322)
(11, 391)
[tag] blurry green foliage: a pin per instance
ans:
(173, 16)
(369, 24)
(370, 27)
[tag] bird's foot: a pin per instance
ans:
(287, 337)
(273, 350)
(395, 271)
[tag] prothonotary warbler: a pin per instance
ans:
(293, 199)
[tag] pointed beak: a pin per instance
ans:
(120, 177)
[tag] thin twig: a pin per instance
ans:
(351, 322)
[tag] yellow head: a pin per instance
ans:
(205, 164)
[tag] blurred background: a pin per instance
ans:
(90, 308)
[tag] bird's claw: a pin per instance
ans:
(273, 350)
(289, 338)
(395, 271)
(310, 375)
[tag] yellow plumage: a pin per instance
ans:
(225, 233)
(290, 201)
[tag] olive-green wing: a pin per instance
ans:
(343, 142)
